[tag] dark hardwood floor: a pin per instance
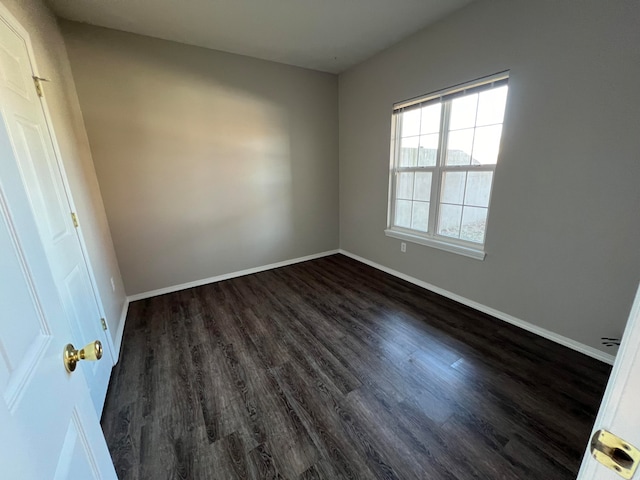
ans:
(332, 369)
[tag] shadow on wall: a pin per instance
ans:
(205, 175)
(198, 152)
(217, 165)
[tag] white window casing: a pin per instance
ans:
(429, 218)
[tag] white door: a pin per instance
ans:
(48, 426)
(42, 175)
(620, 409)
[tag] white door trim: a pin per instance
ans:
(13, 22)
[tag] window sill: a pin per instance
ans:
(439, 244)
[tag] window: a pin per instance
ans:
(444, 155)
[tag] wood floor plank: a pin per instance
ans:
(330, 369)
(315, 403)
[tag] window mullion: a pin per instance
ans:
(434, 208)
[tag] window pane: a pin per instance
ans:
(491, 106)
(463, 112)
(431, 119)
(408, 151)
(404, 189)
(428, 150)
(403, 213)
(459, 147)
(453, 187)
(411, 123)
(487, 144)
(449, 221)
(478, 189)
(420, 216)
(423, 186)
(474, 221)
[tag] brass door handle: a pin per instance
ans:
(615, 453)
(71, 356)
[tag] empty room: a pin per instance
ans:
(319, 240)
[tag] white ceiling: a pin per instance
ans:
(327, 35)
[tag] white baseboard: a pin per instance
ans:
(120, 331)
(227, 276)
(543, 332)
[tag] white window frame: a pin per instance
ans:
(432, 238)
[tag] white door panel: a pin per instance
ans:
(76, 460)
(25, 333)
(42, 176)
(37, 165)
(48, 424)
(13, 68)
(40, 402)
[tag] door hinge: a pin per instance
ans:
(74, 218)
(104, 323)
(38, 83)
(615, 453)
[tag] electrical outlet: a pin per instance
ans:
(403, 247)
(113, 285)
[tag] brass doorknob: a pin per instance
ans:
(92, 351)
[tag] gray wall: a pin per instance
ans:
(208, 162)
(53, 63)
(562, 241)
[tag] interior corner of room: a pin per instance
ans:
(211, 163)
(187, 166)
